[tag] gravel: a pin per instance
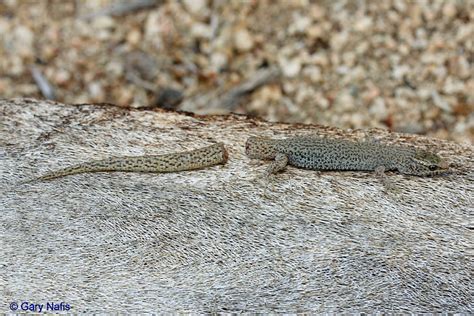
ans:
(401, 65)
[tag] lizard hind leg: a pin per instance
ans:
(280, 162)
(275, 166)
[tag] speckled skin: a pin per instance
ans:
(174, 162)
(337, 154)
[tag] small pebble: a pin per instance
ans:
(168, 98)
(243, 40)
(290, 68)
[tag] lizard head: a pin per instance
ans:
(260, 148)
(423, 163)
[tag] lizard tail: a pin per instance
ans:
(61, 173)
(190, 160)
(93, 166)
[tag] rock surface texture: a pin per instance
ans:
(221, 239)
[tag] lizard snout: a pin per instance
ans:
(251, 147)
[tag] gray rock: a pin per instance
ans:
(220, 239)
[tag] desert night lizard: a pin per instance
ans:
(317, 153)
(188, 160)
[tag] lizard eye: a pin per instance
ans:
(433, 167)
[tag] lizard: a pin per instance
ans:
(315, 153)
(188, 160)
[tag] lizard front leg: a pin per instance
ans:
(386, 182)
(280, 162)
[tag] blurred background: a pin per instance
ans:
(406, 66)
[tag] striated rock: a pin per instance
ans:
(223, 238)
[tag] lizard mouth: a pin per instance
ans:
(225, 155)
(247, 147)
